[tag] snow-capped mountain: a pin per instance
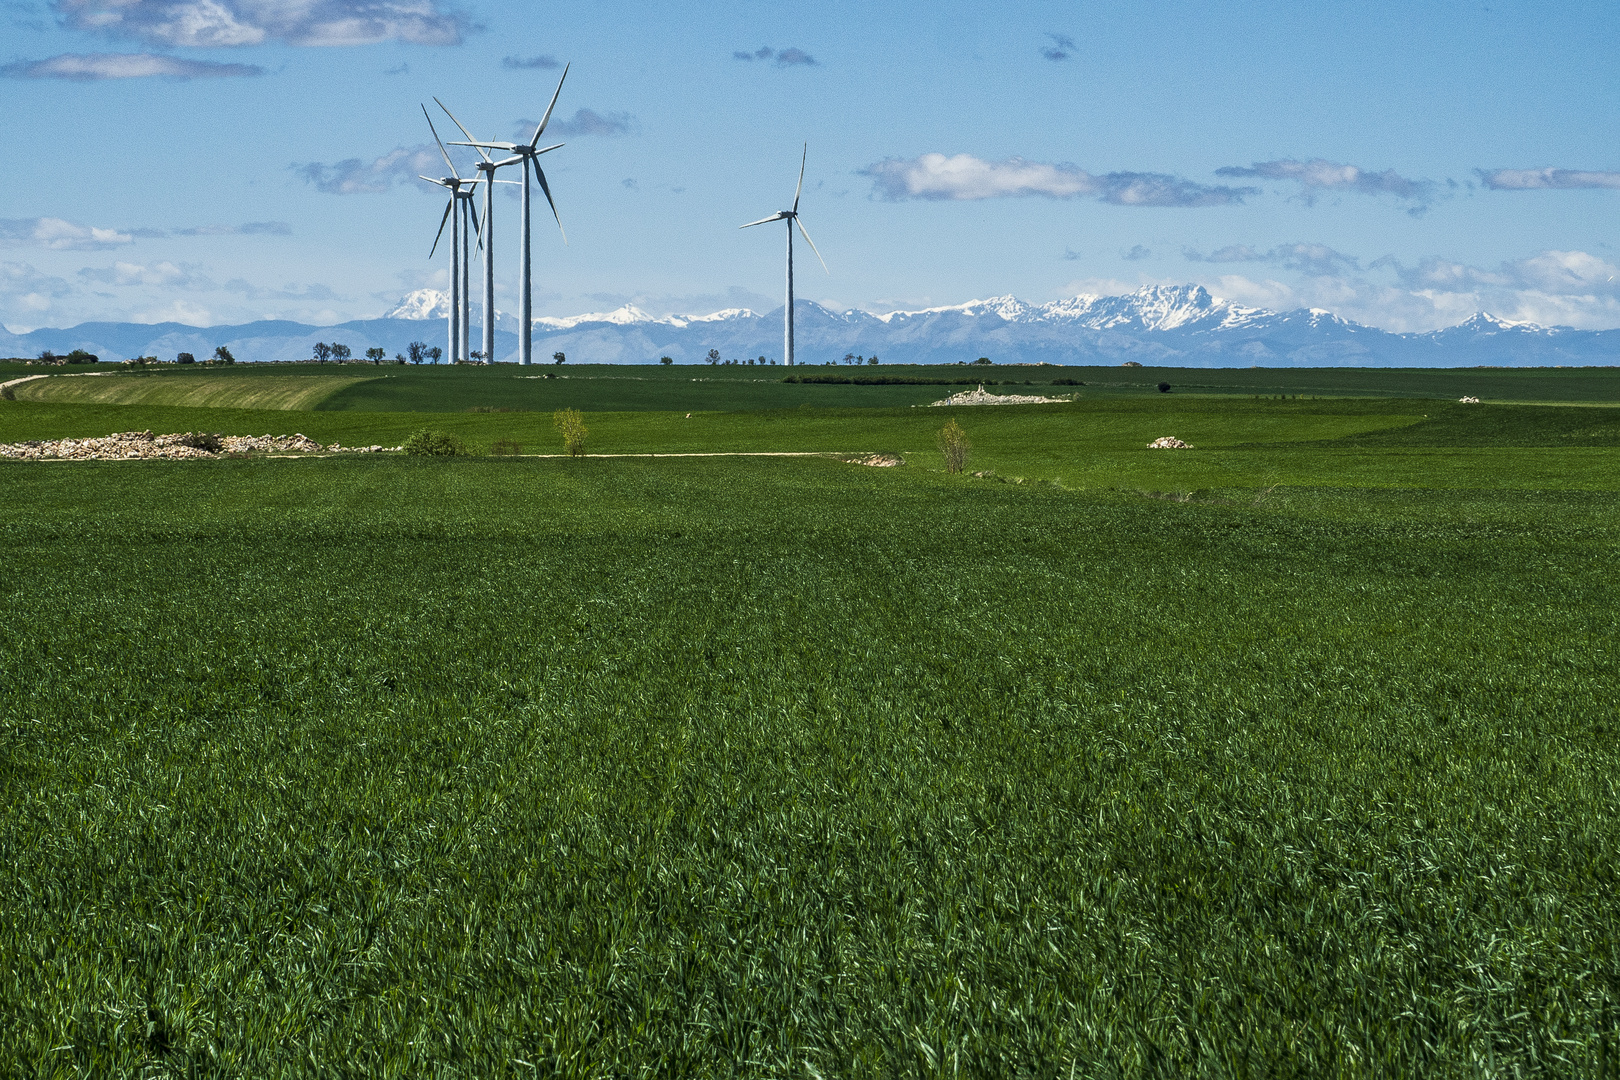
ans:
(1171, 325)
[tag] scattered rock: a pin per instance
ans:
(1169, 442)
(877, 461)
(190, 444)
(1466, 400)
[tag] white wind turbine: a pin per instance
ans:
(529, 155)
(792, 218)
(456, 210)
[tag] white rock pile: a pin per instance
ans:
(126, 445)
(1466, 400)
(980, 397)
(876, 461)
(1169, 442)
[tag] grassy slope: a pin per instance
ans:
(207, 391)
(427, 767)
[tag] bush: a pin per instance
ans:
(953, 443)
(79, 356)
(185, 358)
(222, 355)
(430, 443)
(1164, 388)
(571, 422)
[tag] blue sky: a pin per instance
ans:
(218, 161)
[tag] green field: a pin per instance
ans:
(1291, 755)
(211, 391)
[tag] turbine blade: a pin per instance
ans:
(541, 176)
(811, 242)
(442, 151)
(464, 131)
(546, 119)
(478, 230)
(778, 216)
(507, 146)
(549, 149)
(442, 220)
(441, 182)
(800, 188)
(509, 161)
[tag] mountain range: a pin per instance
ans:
(1158, 325)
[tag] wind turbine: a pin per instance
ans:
(529, 155)
(455, 211)
(792, 218)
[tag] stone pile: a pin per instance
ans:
(1169, 442)
(126, 445)
(877, 461)
(980, 397)
(1466, 400)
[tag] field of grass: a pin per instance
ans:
(496, 766)
(203, 390)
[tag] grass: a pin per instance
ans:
(505, 767)
(694, 766)
(207, 391)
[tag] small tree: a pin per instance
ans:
(713, 357)
(322, 352)
(435, 354)
(399, 358)
(79, 356)
(872, 359)
(222, 355)
(376, 356)
(417, 351)
(559, 358)
(475, 355)
(953, 443)
(571, 422)
(982, 360)
(185, 358)
(1164, 388)
(666, 359)
(340, 353)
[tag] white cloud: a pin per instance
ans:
(966, 177)
(1531, 179)
(217, 23)
(59, 235)
(91, 67)
(165, 274)
(353, 176)
(1319, 175)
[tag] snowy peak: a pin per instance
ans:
(1486, 323)
(625, 315)
(421, 304)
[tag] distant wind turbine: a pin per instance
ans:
(486, 166)
(792, 218)
(529, 155)
(456, 210)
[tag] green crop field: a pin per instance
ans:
(213, 391)
(1290, 755)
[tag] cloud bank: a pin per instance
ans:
(1062, 47)
(1320, 175)
(532, 63)
(583, 122)
(964, 177)
(219, 23)
(55, 234)
(92, 67)
(783, 58)
(1532, 179)
(354, 176)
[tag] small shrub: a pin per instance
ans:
(954, 444)
(185, 358)
(571, 422)
(1164, 388)
(666, 359)
(430, 443)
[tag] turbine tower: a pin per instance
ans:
(792, 218)
(487, 168)
(528, 154)
(455, 214)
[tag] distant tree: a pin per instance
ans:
(559, 358)
(475, 355)
(417, 351)
(435, 354)
(185, 358)
(666, 359)
(222, 355)
(1164, 388)
(571, 422)
(953, 443)
(48, 357)
(872, 359)
(713, 357)
(399, 358)
(79, 356)
(982, 360)
(761, 360)
(322, 351)
(340, 353)
(376, 356)
(849, 358)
